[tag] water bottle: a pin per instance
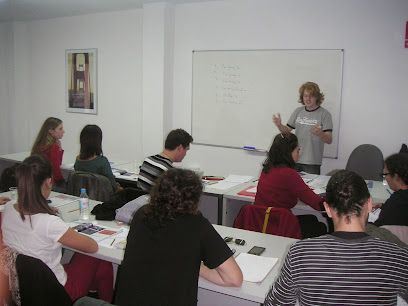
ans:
(83, 205)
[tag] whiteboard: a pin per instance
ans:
(235, 93)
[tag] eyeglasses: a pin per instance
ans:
(385, 174)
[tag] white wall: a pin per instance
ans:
(6, 83)
(375, 77)
(375, 74)
(40, 79)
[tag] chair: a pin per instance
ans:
(98, 187)
(8, 178)
(31, 282)
(270, 220)
(38, 284)
(366, 160)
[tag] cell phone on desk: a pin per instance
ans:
(256, 250)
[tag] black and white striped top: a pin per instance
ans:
(342, 269)
(151, 169)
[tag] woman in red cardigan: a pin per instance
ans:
(48, 145)
(281, 186)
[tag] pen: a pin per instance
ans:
(212, 178)
(388, 191)
(113, 241)
(249, 148)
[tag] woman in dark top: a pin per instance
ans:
(395, 210)
(170, 244)
(90, 158)
(281, 186)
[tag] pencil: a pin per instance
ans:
(70, 211)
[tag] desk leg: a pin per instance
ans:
(231, 208)
(210, 207)
(220, 209)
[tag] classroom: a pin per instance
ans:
(145, 74)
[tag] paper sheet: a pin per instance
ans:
(62, 199)
(238, 178)
(223, 185)
(253, 189)
(98, 233)
(374, 214)
(116, 242)
(231, 180)
(255, 268)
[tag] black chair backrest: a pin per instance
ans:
(98, 187)
(8, 178)
(366, 160)
(38, 284)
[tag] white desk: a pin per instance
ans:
(208, 293)
(233, 201)
(211, 202)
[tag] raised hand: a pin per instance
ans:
(316, 130)
(277, 120)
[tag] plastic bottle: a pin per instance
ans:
(83, 205)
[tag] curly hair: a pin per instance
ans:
(398, 164)
(280, 153)
(314, 90)
(177, 192)
(347, 193)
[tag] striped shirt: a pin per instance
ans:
(342, 269)
(151, 169)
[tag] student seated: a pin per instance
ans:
(90, 158)
(32, 228)
(281, 186)
(347, 267)
(48, 145)
(395, 210)
(175, 148)
(170, 244)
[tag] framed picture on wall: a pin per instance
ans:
(81, 90)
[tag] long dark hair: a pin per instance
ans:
(177, 192)
(31, 174)
(44, 139)
(91, 141)
(280, 153)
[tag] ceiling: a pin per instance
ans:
(23, 10)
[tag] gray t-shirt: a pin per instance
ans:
(311, 146)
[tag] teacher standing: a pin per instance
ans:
(313, 126)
